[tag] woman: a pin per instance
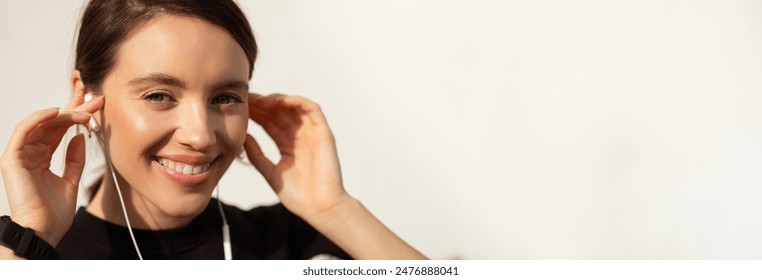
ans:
(171, 107)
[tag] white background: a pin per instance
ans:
(498, 129)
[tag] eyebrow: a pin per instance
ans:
(166, 79)
(231, 84)
(157, 78)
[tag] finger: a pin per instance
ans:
(258, 159)
(93, 105)
(282, 119)
(253, 96)
(66, 119)
(270, 101)
(272, 122)
(75, 160)
(256, 156)
(27, 125)
(272, 109)
(296, 101)
(262, 117)
(283, 135)
(76, 100)
(310, 110)
(253, 102)
(265, 104)
(305, 109)
(50, 132)
(257, 114)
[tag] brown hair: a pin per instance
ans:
(107, 23)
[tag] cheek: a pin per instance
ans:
(235, 129)
(132, 129)
(231, 134)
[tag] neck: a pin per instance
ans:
(142, 213)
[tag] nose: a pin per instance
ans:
(195, 127)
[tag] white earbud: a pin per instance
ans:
(93, 124)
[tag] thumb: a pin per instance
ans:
(260, 161)
(75, 160)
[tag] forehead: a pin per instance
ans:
(181, 46)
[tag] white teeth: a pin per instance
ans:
(184, 168)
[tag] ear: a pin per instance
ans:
(78, 91)
(78, 88)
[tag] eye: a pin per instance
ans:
(157, 97)
(226, 99)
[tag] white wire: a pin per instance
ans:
(119, 192)
(225, 230)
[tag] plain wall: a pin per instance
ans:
(498, 129)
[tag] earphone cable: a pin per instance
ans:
(226, 247)
(121, 199)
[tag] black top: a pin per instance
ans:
(270, 232)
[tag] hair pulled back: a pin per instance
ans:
(107, 23)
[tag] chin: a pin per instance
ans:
(188, 205)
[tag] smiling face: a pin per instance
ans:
(175, 115)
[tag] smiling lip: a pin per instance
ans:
(185, 170)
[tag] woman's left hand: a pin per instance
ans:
(307, 179)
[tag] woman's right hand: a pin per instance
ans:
(38, 198)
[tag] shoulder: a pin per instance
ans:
(273, 232)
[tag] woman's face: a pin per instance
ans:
(175, 115)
